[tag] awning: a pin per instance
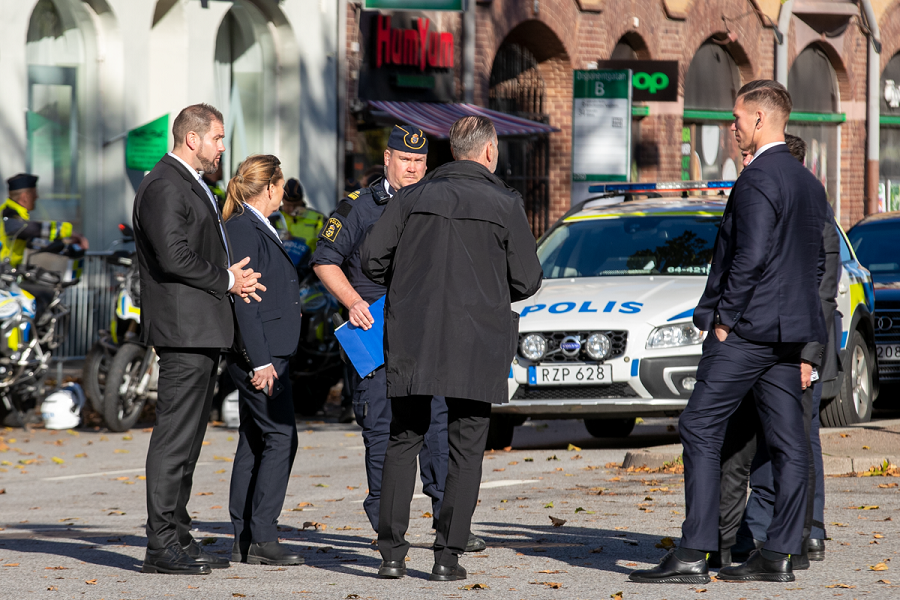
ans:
(435, 118)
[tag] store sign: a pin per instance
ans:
(407, 56)
(601, 128)
(147, 144)
(653, 80)
(417, 47)
(414, 4)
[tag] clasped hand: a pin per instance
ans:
(246, 281)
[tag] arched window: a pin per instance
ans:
(54, 51)
(244, 55)
(813, 86)
(710, 88)
(889, 155)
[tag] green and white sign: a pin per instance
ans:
(601, 128)
(415, 4)
(147, 144)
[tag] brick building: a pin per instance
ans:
(526, 52)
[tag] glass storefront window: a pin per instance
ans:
(889, 155)
(54, 53)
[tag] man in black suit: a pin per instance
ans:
(761, 307)
(187, 315)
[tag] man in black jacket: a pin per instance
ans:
(187, 315)
(761, 307)
(454, 250)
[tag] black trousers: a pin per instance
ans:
(187, 379)
(467, 427)
(727, 372)
(745, 459)
(267, 444)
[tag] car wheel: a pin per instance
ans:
(500, 432)
(610, 428)
(854, 403)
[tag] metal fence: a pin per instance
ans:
(91, 301)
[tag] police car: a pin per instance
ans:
(609, 336)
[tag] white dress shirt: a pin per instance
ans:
(212, 199)
(763, 149)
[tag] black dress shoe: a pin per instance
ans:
(392, 569)
(816, 549)
(205, 558)
(719, 559)
(799, 562)
(272, 553)
(475, 544)
(740, 552)
(442, 573)
(673, 570)
(239, 551)
(759, 568)
(172, 560)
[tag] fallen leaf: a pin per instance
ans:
(845, 435)
(528, 459)
(515, 462)
(217, 506)
(57, 460)
(203, 494)
(120, 451)
(56, 568)
(878, 536)
(588, 512)
(551, 584)
(700, 590)
(548, 505)
(871, 507)
(843, 586)
(125, 478)
(220, 471)
(141, 477)
(879, 567)
(236, 595)
(115, 512)
(557, 522)
(473, 586)
(499, 470)
(552, 458)
(11, 565)
(888, 485)
(81, 455)
(354, 596)
(91, 582)
(839, 524)
(52, 588)
(549, 572)
(573, 448)
(618, 595)
(225, 458)
(314, 525)
(887, 581)
(128, 438)
(666, 543)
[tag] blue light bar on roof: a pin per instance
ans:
(662, 186)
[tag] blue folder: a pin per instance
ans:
(364, 348)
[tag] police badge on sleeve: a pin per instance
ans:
(332, 229)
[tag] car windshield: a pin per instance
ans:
(631, 245)
(877, 247)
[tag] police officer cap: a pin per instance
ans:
(293, 190)
(22, 181)
(407, 138)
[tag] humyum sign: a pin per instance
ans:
(652, 80)
(412, 47)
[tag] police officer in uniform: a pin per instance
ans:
(18, 229)
(336, 262)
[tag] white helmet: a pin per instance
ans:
(62, 408)
(231, 412)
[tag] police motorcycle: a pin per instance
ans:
(33, 320)
(124, 326)
(317, 365)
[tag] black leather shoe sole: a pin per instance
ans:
(670, 579)
(799, 562)
(281, 562)
(195, 569)
(476, 544)
(816, 556)
(392, 572)
(776, 577)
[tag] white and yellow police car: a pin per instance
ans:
(609, 336)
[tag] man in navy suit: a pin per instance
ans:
(760, 307)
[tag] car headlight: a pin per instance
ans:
(597, 346)
(673, 336)
(533, 346)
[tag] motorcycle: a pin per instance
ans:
(32, 324)
(124, 326)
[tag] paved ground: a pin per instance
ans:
(73, 512)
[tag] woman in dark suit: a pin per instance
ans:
(269, 331)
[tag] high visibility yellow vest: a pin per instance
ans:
(14, 249)
(305, 226)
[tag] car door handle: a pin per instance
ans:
(842, 289)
